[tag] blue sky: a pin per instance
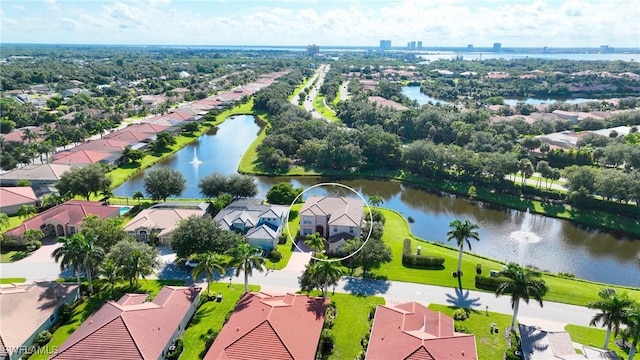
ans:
(553, 23)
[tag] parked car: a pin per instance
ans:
(191, 263)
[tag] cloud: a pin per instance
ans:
(19, 7)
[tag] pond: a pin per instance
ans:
(414, 93)
(508, 235)
(534, 101)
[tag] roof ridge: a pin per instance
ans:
(133, 338)
(92, 332)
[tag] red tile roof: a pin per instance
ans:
(267, 327)
(129, 136)
(412, 331)
(146, 128)
(106, 145)
(79, 157)
(129, 330)
(18, 195)
(72, 213)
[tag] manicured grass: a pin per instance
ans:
(318, 105)
(300, 87)
(569, 291)
(84, 310)
(285, 249)
(351, 323)
(594, 337)
(12, 255)
(249, 160)
(490, 346)
(14, 221)
(210, 315)
(12, 280)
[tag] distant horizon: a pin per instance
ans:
(550, 23)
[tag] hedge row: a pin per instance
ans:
(489, 283)
(419, 261)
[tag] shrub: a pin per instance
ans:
(10, 243)
(42, 338)
(566, 275)
(419, 261)
(462, 329)
(275, 255)
(176, 352)
(282, 239)
(377, 216)
(479, 269)
(65, 312)
(489, 283)
(460, 315)
(327, 342)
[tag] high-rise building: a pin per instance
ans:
(497, 47)
(385, 44)
(412, 45)
(419, 45)
(313, 50)
(470, 47)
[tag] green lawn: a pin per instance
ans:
(285, 249)
(297, 90)
(593, 337)
(84, 310)
(249, 159)
(490, 346)
(351, 323)
(12, 280)
(570, 291)
(210, 315)
(12, 255)
(318, 105)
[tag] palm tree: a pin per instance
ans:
(26, 211)
(462, 232)
(71, 254)
(51, 200)
(632, 330)
(246, 258)
(137, 196)
(209, 263)
(614, 310)
(376, 200)
(28, 135)
(4, 220)
(316, 242)
(522, 284)
(112, 273)
(93, 257)
(325, 273)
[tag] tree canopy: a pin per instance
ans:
(84, 181)
(283, 194)
(164, 182)
(197, 234)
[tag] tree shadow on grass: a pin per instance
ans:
(461, 299)
(368, 287)
(200, 315)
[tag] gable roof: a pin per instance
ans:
(146, 128)
(129, 136)
(106, 145)
(342, 211)
(161, 218)
(262, 232)
(79, 157)
(18, 195)
(45, 172)
(71, 212)
(412, 331)
(25, 307)
(264, 326)
(130, 330)
(248, 212)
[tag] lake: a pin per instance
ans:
(508, 235)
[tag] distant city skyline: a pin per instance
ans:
(454, 23)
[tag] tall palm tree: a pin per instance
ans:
(325, 274)
(316, 242)
(28, 135)
(462, 232)
(246, 258)
(112, 273)
(26, 211)
(93, 257)
(614, 309)
(137, 196)
(71, 254)
(209, 263)
(522, 284)
(631, 332)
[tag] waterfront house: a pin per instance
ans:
(337, 219)
(12, 198)
(159, 221)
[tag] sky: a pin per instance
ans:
(514, 23)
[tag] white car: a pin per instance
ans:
(191, 263)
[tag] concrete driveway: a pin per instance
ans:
(40, 265)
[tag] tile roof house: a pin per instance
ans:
(12, 198)
(26, 310)
(412, 331)
(262, 224)
(133, 328)
(271, 327)
(130, 136)
(380, 101)
(540, 344)
(78, 157)
(337, 219)
(162, 221)
(104, 145)
(64, 219)
(37, 175)
(146, 128)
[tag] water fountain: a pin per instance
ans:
(525, 235)
(195, 160)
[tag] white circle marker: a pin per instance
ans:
(346, 187)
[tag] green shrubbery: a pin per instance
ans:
(419, 261)
(176, 352)
(489, 283)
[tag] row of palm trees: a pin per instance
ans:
(620, 315)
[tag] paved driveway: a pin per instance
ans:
(37, 266)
